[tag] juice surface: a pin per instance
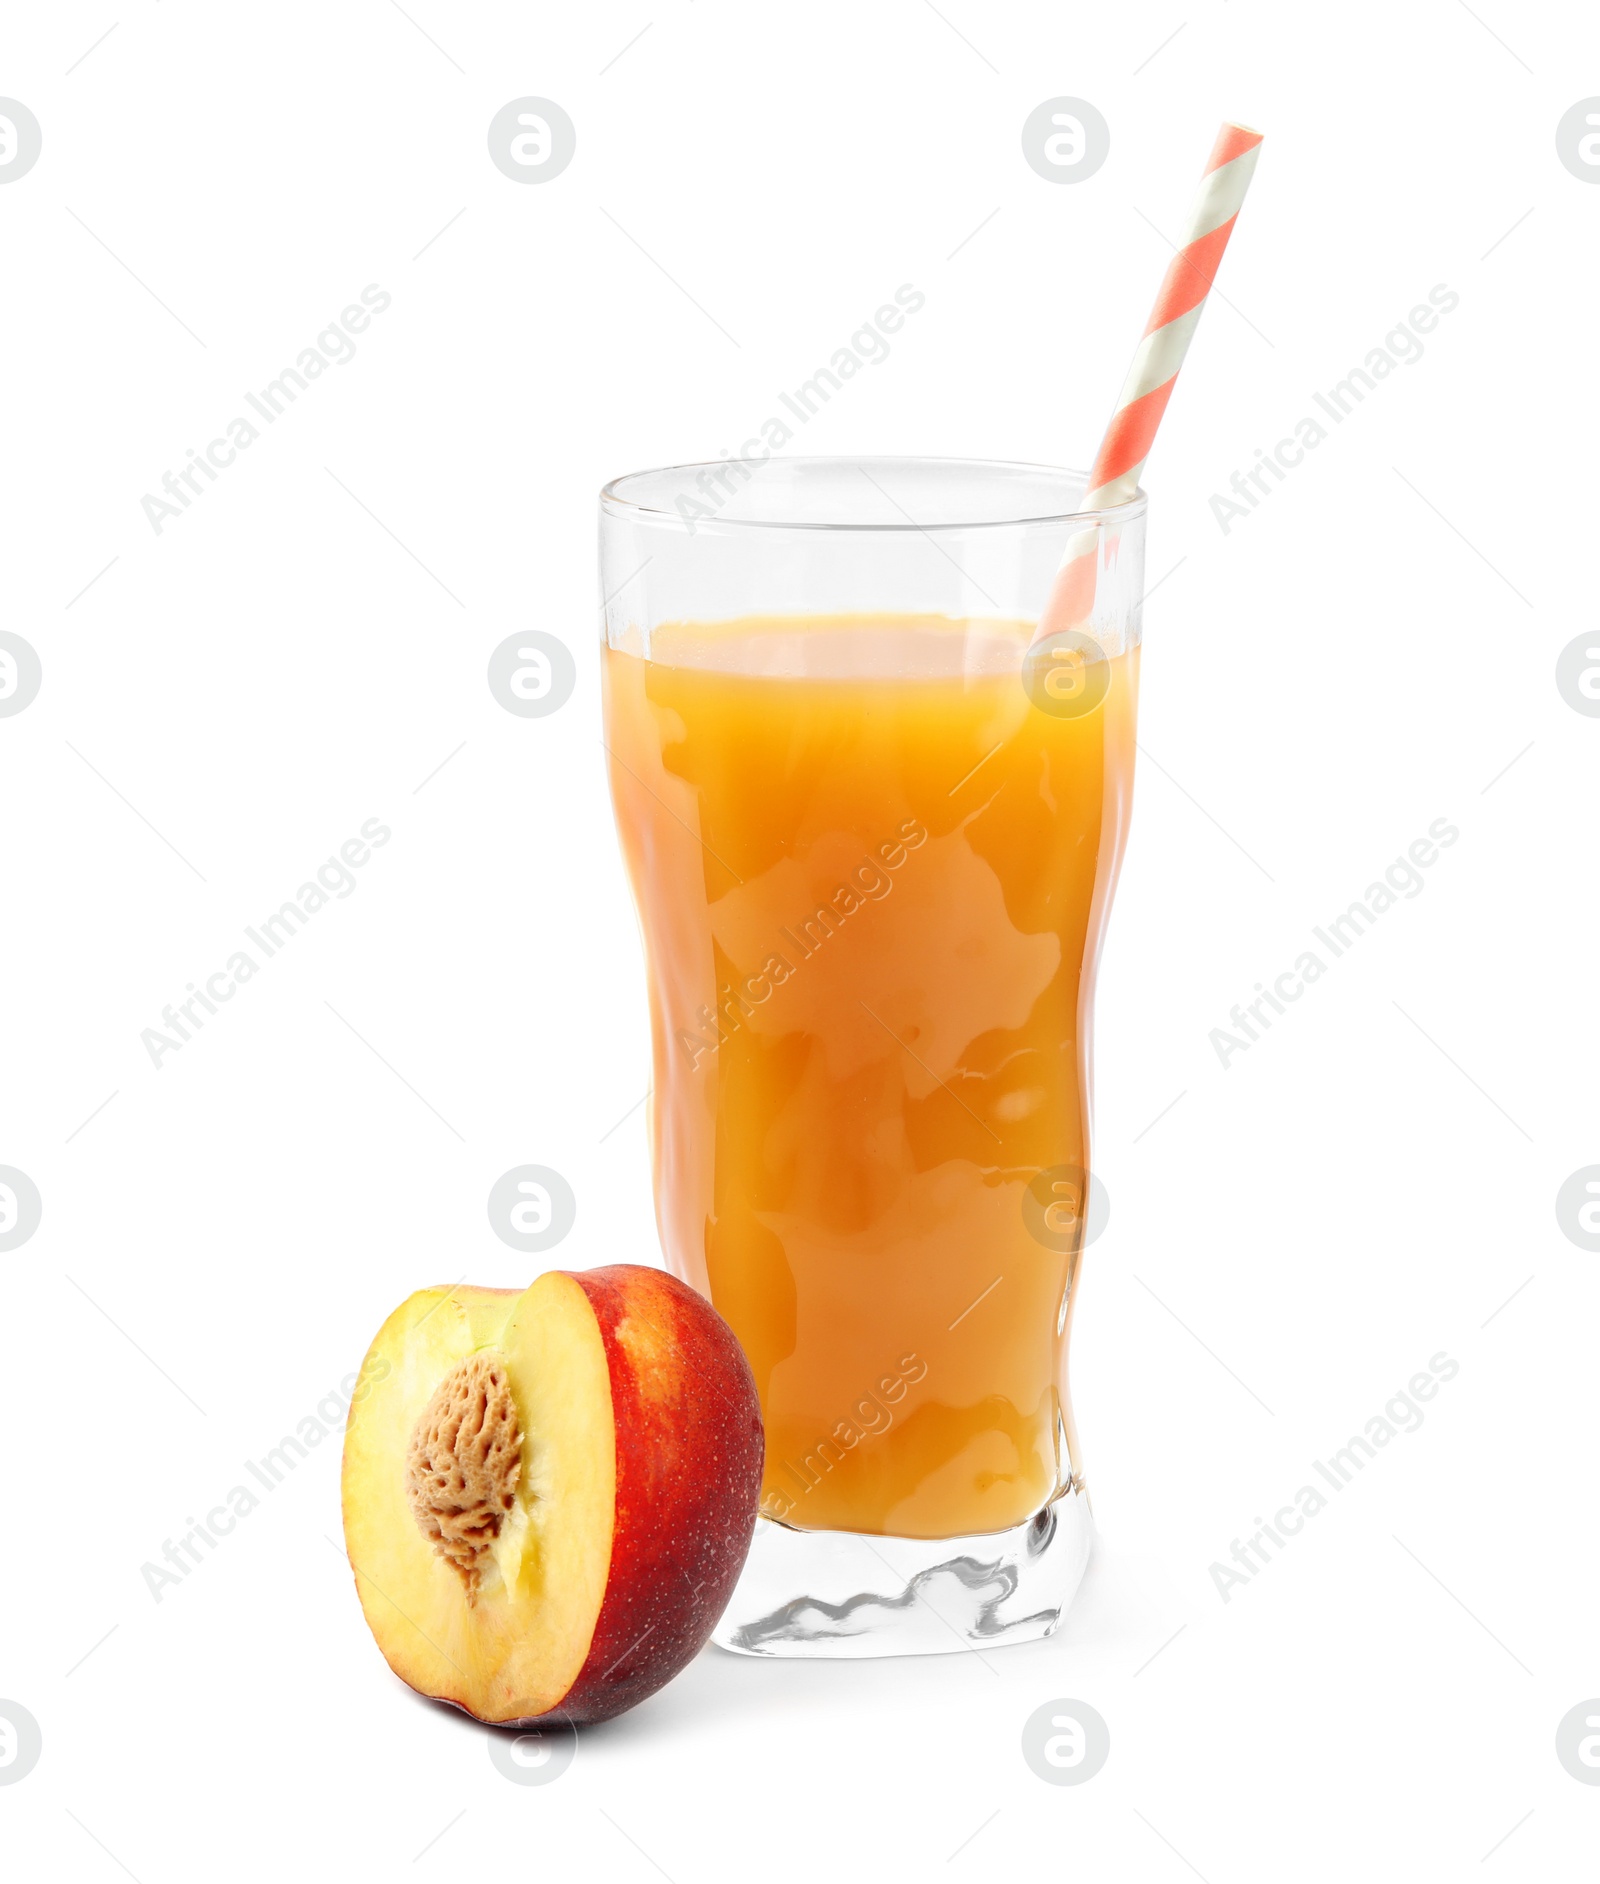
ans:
(872, 879)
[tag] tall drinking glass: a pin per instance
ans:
(873, 829)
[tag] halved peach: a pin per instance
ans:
(548, 1497)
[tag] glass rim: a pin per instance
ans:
(615, 502)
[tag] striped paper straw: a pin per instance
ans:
(1154, 372)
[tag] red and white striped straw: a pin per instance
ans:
(1154, 371)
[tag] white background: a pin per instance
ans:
(1365, 653)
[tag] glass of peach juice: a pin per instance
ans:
(873, 825)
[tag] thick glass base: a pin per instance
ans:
(845, 1594)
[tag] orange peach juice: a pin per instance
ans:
(873, 879)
